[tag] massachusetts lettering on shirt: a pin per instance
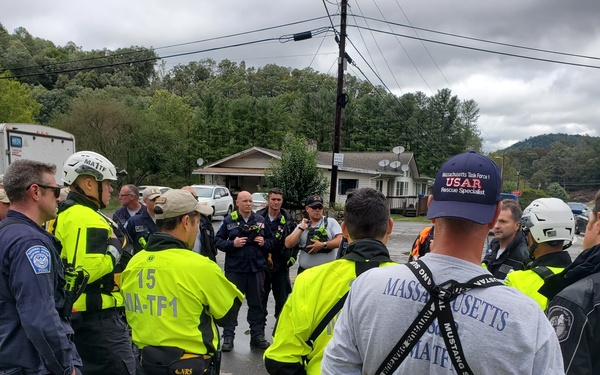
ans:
(467, 305)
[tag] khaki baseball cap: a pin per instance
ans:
(178, 202)
(3, 197)
(151, 193)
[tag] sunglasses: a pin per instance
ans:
(317, 207)
(55, 189)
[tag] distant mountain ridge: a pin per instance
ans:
(545, 140)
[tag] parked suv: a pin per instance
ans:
(215, 196)
(163, 189)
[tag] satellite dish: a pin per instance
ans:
(384, 163)
(200, 161)
(398, 150)
(395, 164)
(404, 167)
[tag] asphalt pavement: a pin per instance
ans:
(243, 360)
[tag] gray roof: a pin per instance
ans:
(365, 162)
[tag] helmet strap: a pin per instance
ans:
(102, 205)
(99, 201)
(532, 248)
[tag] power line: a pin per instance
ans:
(395, 97)
(415, 31)
(329, 16)
(281, 39)
(480, 49)
(483, 40)
(367, 48)
(171, 45)
(141, 60)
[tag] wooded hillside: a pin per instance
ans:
(156, 123)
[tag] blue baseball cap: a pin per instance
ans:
(467, 187)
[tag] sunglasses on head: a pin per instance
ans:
(55, 189)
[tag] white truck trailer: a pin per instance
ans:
(35, 142)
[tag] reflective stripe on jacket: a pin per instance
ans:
(315, 292)
(529, 281)
(85, 235)
(175, 297)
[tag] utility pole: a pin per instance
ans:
(340, 103)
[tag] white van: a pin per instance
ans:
(35, 142)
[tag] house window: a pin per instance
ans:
(401, 188)
(346, 184)
(379, 185)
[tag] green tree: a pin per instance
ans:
(16, 101)
(103, 124)
(170, 113)
(529, 195)
(557, 191)
(296, 174)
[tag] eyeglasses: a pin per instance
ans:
(317, 207)
(56, 189)
(124, 195)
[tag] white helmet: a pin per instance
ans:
(88, 163)
(549, 219)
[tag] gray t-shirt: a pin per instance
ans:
(306, 260)
(502, 331)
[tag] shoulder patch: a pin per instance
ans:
(561, 319)
(39, 257)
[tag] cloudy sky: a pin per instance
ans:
(518, 97)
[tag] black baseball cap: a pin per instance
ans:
(314, 200)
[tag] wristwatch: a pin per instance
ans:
(324, 246)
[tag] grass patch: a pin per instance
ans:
(112, 206)
(416, 219)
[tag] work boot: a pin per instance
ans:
(227, 344)
(259, 342)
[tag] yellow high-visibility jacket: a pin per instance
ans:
(85, 236)
(531, 280)
(315, 293)
(175, 297)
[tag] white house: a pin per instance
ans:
(395, 175)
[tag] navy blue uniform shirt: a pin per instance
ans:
(251, 257)
(32, 335)
(140, 226)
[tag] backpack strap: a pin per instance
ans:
(359, 268)
(543, 272)
(438, 307)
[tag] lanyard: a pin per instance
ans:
(438, 307)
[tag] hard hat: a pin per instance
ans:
(549, 219)
(88, 163)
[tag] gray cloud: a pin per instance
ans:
(518, 98)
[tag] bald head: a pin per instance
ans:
(244, 203)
